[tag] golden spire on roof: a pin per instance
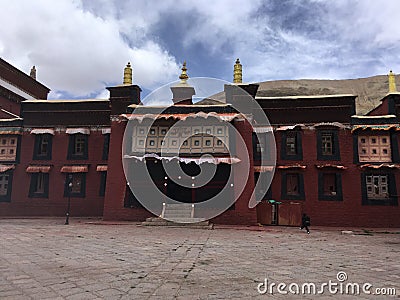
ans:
(237, 72)
(33, 73)
(128, 74)
(392, 82)
(184, 76)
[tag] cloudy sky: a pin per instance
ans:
(81, 46)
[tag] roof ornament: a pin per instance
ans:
(184, 76)
(392, 82)
(33, 73)
(237, 72)
(128, 74)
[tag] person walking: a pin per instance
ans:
(305, 222)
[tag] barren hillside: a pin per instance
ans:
(369, 90)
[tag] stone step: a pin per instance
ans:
(156, 221)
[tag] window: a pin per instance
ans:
(379, 189)
(78, 146)
(327, 142)
(328, 145)
(103, 180)
(330, 186)
(291, 145)
(43, 145)
(374, 149)
(5, 186)
(106, 146)
(292, 186)
(78, 187)
(377, 186)
(8, 148)
(39, 187)
(291, 148)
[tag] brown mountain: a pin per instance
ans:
(369, 90)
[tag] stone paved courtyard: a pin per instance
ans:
(44, 259)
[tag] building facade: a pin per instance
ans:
(340, 168)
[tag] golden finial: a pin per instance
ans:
(128, 74)
(392, 82)
(237, 72)
(184, 76)
(33, 72)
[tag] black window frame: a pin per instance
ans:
(339, 191)
(335, 145)
(284, 195)
(68, 178)
(103, 181)
(7, 197)
(33, 184)
(299, 147)
(390, 201)
(106, 146)
(71, 147)
(38, 142)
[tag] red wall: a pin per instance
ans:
(350, 211)
(11, 106)
(56, 203)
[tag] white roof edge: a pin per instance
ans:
(308, 96)
(66, 100)
(189, 105)
(15, 89)
(372, 117)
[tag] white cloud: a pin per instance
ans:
(80, 47)
(76, 51)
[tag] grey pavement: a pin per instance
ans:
(44, 259)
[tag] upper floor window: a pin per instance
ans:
(78, 146)
(106, 146)
(43, 145)
(328, 145)
(291, 145)
(374, 148)
(8, 148)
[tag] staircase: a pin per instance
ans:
(178, 215)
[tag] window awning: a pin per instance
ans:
(5, 168)
(78, 130)
(10, 130)
(372, 166)
(282, 128)
(376, 127)
(296, 166)
(259, 169)
(42, 131)
(101, 168)
(38, 169)
(106, 130)
(262, 129)
(334, 124)
(220, 116)
(74, 169)
(331, 166)
(187, 160)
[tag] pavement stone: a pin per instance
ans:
(44, 259)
